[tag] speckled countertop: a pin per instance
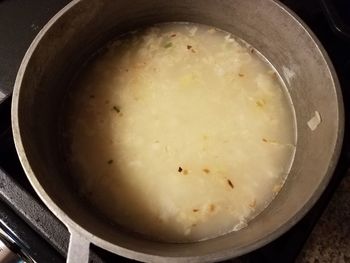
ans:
(330, 239)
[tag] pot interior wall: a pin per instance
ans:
(263, 24)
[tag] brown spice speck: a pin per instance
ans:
(252, 50)
(264, 140)
(230, 183)
(110, 161)
(241, 74)
(92, 96)
(173, 35)
(195, 210)
(115, 108)
(189, 47)
(212, 208)
(206, 170)
(183, 171)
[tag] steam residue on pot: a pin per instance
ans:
(180, 132)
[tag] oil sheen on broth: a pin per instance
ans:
(180, 132)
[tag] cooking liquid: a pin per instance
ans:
(180, 132)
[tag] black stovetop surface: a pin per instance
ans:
(37, 233)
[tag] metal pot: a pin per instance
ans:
(84, 25)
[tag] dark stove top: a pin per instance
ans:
(31, 230)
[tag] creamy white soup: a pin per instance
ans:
(180, 132)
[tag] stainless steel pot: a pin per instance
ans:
(83, 25)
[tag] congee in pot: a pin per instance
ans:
(180, 132)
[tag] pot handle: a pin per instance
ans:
(78, 249)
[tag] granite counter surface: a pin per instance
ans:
(330, 239)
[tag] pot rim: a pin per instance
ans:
(73, 227)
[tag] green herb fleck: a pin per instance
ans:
(167, 45)
(206, 170)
